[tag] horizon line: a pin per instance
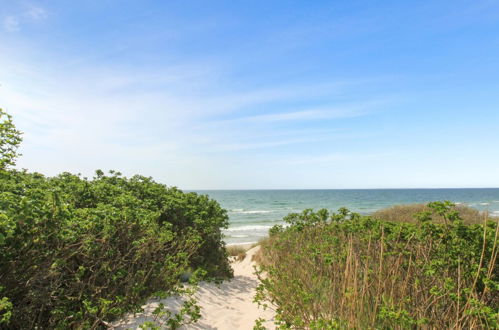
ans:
(271, 189)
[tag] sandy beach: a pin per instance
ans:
(228, 305)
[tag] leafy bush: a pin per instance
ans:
(10, 139)
(75, 253)
(405, 213)
(344, 270)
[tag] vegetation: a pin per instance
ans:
(10, 139)
(343, 270)
(78, 252)
(405, 213)
(237, 251)
(75, 253)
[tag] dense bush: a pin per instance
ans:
(75, 253)
(405, 213)
(348, 271)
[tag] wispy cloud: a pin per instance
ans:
(261, 145)
(11, 23)
(149, 121)
(183, 122)
(337, 157)
(310, 114)
(36, 13)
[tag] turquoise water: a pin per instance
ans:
(253, 212)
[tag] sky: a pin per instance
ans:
(257, 94)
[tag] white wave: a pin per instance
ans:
(238, 236)
(250, 227)
(495, 213)
(243, 211)
(484, 203)
(255, 212)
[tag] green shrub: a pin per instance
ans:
(75, 253)
(10, 139)
(348, 271)
(405, 213)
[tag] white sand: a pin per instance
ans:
(228, 305)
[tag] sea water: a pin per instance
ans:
(253, 212)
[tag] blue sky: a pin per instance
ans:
(257, 94)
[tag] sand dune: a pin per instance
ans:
(228, 305)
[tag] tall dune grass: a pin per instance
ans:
(347, 271)
(405, 213)
(236, 251)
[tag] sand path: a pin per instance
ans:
(228, 305)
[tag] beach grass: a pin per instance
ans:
(407, 212)
(237, 251)
(347, 271)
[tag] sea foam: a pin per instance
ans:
(249, 227)
(242, 211)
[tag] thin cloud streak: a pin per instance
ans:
(259, 123)
(312, 114)
(261, 145)
(36, 13)
(11, 24)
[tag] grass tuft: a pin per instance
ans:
(237, 251)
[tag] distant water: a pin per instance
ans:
(253, 212)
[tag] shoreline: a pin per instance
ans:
(246, 245)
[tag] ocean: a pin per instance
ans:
(253, 212)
